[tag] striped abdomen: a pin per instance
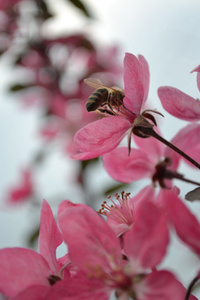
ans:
(96, 99)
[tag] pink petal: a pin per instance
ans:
(127, 168)
(101, 136)
(79, 287)
(20, 269)
(198, 80)
(146, 242)
(151, 146)
(185, 223)
(95, 242)
(24, 190)
(50, 237)
(144, 69)
(133, 83)
(146, 194)
(188, 140)
(136, 81)
(179, 104)
(33, 293)
(197, 69)
(161, 285)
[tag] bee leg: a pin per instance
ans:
(103, 111)
(109, 105)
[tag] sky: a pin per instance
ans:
(165, 32)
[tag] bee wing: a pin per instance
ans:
(116, 88)
(93, 82)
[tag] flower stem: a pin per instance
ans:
(150, 132)
(192, 283)
(181, 177)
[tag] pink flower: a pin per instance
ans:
(121, 213)
(24, 190)
(97, 253)
(23, 269)
(180, 104)
(104, 135)
(151, 160)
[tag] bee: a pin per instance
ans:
(103, 95)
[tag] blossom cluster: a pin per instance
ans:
(118, 249)
(100, 259)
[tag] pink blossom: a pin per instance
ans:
(151, 160)
(121, 213)
(104, 135)
(22, 268)
(24, 190)
(97, 252)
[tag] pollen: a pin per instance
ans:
(120, 210)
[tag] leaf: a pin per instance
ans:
(193, 195)
(33, 237)
(44, 10)
(114, 189)
(18, 87)
(78, 4)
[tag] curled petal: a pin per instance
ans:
(100, 137)
(49, 237)
(179, 104)
(128, 168)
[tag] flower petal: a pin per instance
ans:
(146, 242)
(188, 140)
(127, 168)
(50, 237)
(100, 136)
(197, 69)
(151, 146)
(161, 285)
(136, 82)
(185, 223)
(32, 293)
(79, 287)
(179, 104)
(144, 69)
(20, 269)
(96, 245)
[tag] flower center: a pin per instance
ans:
(162, 173)
(120, 212)
(53, 279)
